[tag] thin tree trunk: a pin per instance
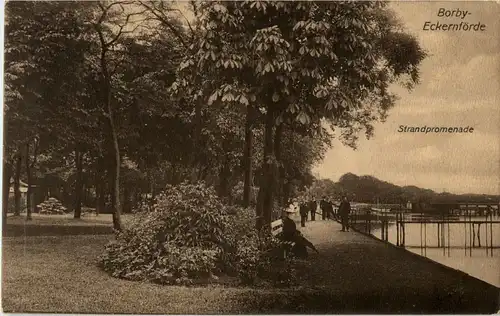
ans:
(78, 184)
(115, 184)
(115, 203)
(265, 203)
(17, 185)
(29, 167)
(84, 195)
(279, 170)
(7, 174)
(101, 200)
(247, 157)
(100, 187)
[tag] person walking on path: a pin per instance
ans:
(344, 210)
(303, 213)
(326, 208)
(312, 208)
(322, 206)
(329, 209)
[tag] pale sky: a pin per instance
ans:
(460, 86)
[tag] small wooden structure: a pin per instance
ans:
(23, 188)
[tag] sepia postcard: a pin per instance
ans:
(251, 157)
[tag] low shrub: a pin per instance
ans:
(176, 240)
(51, 206)
(260, 259)
(189, 235)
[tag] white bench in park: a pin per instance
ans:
(277, 227)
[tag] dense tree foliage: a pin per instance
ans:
(108, 102)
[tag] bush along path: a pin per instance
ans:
(190, 237)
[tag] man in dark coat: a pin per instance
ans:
(344, 210)
(322, 206)
(289, 227)
(303, 210)
(328, 209)
(312, 208)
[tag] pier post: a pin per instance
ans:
(403, 232)
(479, 234)
(369, 222)
(473, 234)
(439, 235)
(382, 231)
(397, 229)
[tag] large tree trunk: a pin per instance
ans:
(247, 157)
(115, 203)
(17, 185)
(7, 174)
(280, 172)
(78, 184)
(265, 200)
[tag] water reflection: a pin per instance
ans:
(450, 244)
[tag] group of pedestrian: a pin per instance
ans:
(290, 234)
(309, 207)
(304, 209)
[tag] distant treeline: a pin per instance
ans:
(368, 189)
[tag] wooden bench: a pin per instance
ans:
(277, 227)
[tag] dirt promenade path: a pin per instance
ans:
(357, 274)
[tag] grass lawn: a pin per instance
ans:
(51, 225)
(54, 274)
(67, 219)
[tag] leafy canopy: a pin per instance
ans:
(306, 61)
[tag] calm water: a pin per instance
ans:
(479, 262)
